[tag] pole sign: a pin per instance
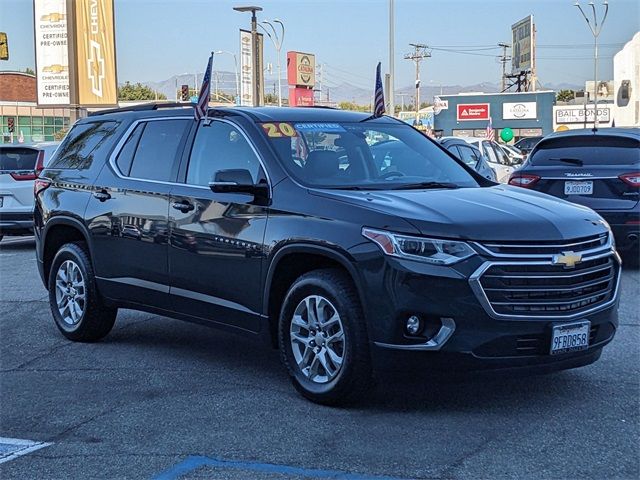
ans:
(75, 53)
(52, 53)
(95, 53)
(472, 111)
(522, 45)
(246, 68)
(301, 69)
(519, 111)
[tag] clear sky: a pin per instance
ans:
(159, 38)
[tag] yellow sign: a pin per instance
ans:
(4, 47)
(95, 53)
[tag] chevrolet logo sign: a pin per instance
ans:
(567, 259)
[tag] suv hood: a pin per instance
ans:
(493, 213)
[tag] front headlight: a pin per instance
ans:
(429, 250)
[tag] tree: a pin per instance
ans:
(138, 92)
(354, 107)
(29, 71)
(565, 95)
(60, 134)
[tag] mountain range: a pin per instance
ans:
(224, 83)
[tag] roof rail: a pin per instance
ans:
(142, 107)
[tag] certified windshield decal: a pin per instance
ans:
(279, 129)
(323, 127)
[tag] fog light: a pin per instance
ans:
(414, 325)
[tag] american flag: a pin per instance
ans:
(491, 135)
(378, 109)
(205, 90)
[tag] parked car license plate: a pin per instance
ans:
(570, 337)
(578, 188)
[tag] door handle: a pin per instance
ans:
(184, 207)
(102, 195)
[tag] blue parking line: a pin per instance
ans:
(193, 462)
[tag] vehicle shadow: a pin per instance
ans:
(239, 360)
(17, 243)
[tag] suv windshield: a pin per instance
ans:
(586, 151)
(17, 159)
(364, 156)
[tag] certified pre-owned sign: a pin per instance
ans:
(472, 111)
(519, 111)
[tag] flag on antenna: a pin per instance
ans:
(205, 90)
(378, 109)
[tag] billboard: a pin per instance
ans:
(75, 53)
(578, 114)
(472, 111)
(301, 69)
(95, 56)
(52, 52)
(522, 45)
(246, 69)
(519, 111)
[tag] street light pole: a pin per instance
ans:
(277, 42)
(254, 51)
(595, 31)
(235, 63)
(391, 94)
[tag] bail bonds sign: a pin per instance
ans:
(472, 111)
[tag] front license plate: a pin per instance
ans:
(578, 188)
(570, 337)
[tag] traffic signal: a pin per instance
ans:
(11, 124)
(184, 92)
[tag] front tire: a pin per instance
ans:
(77, 308)
(323, 338)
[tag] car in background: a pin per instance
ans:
(526, 144)
(496, 157)
(516, 156)
(470, 155)
(600, 170)
(20, 165)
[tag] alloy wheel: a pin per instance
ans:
(70, 292)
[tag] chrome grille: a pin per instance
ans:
(530, 285)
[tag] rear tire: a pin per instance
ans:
(78, 310)
(328, 360)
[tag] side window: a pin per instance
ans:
(220, 146)
(82, 143)
(156, 153)
(468, 156)
(500, 155)
(488, 151)
(125, 157)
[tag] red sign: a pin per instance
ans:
(300, 97)
(473, 111)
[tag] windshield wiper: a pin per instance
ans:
(574, 161)
(412, 186)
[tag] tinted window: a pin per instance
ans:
(587, 150)
(18, 158)
(156, 153)
(125, 157)
(83, 143)
(468, 155)
(220, 146)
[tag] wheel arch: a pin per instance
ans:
(58, 231)
(292, 261)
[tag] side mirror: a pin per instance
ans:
(237, 181)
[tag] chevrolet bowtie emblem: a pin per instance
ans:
(567, 259)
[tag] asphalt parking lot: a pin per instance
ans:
(165, 399)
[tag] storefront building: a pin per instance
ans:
(527, 114)
(21, 121)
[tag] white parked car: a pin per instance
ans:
(516, 156)
(497, 158)
(20, 165)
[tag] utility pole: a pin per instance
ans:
(504, 59)
(391, 92)
(419, 53)
(402, 95)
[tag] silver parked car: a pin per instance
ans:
(20, 165)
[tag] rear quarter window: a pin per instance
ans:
(587, 150)
(83, 144)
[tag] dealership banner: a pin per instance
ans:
(519, 111)
(472, 111)
(52, 54)
(246, 69)
(577, 115)
(522, 45)
(95, 53)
